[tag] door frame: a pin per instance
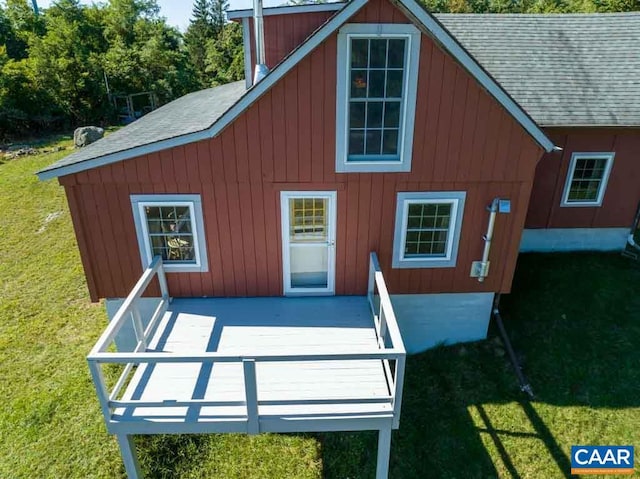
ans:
(331, 210)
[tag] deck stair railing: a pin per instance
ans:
(390, 351)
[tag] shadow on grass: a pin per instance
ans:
(573, 318)
(168, 456)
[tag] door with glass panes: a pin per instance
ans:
(308, 242)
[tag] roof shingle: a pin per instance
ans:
(563, 69)
(188, 114)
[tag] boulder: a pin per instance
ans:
(85, 135)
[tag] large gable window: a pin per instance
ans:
(170, 226)
(376, 96)
(587, 179)
(427, 229)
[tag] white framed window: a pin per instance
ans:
(427, 231)
(587, 179)
(376, 97)
(171, 226)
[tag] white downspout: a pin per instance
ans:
(484, 263)
(480, 269)
(261, 69)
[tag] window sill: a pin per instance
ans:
(373, 167)
(423, 263)
(581, 205)
(187, 268)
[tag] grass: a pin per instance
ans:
(573, 320)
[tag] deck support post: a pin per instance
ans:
(384, 452)
(129, 456)
(251, 395)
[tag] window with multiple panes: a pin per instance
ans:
(587, 179)
(376, 94)
(376, 97)
(170, 226)
(308, 219)
(427, 229)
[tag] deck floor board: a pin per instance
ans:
(255, 326)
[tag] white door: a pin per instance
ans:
(308, 242)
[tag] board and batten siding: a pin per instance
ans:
(463, 141)
(283, 33)
(623, 189)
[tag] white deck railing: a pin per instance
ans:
(390, 351)
(387, 331)
(129, 311)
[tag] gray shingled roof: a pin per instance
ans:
(188, 114)
(564, 70)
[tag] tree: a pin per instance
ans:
(66, 60)
(121, 16)
(15, 47)
(144, 53)
(207, 24)
(225, 56)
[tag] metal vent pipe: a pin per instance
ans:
(261, 69)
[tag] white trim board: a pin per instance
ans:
(246, 45)
(320, 7)
(416, 12)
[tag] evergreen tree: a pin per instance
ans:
(201, 29)
(207, 26)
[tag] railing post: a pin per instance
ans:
(139, 330)
(372, 278)
(399, 384)
(383, 322)
(251, 395)
(162, 279)
(101, 388)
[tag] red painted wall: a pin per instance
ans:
(283, 33)
(464, 141)
(623, 189)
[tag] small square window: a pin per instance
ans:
(427, 229)
(170, 226)
(587, 179)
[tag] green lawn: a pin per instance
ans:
(574, 320)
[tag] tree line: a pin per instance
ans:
(57, 65)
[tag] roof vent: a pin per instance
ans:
(261, 69)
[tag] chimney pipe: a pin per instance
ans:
(261, 69)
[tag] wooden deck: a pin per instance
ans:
(286, 390)
(252, 365)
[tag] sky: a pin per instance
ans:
(177, 12)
